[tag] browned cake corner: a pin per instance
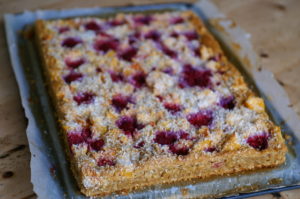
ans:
(151, 99)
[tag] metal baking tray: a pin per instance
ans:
(48, 159)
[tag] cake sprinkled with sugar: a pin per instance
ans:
(134, 90)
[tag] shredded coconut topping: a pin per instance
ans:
(152, 72)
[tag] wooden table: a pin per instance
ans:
(273, 24)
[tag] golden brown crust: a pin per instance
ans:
(232, 160)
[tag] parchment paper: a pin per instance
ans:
(50, 175)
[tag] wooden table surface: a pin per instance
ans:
(273, 24)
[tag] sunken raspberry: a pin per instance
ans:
(201, 118)
(86, 133)
(97, 145)
(176, 20)
(153, 35)
(63, 29)
(168, 71)
(197, 52)
(120, 102)
(129, 125)
(160, 98)
(133, 38)
(191, 76)
(74, 63)
(174, 34)
(128, 54)
(191, 35)
(106, 162)
(71, 42)
(184, 135)
(166, 137)
(115, 23)
(75, 138)
(179, 150)
(166, 50)
(84, 98)
(106, 45)
(139, 145)
(105, 36)
(227, 102)
(73, 76)
(98, 70)
(210, 149)
(116, 76)
(138, 79)
(215, 58)
(172, 107)
(143, 20)
(93, 26)
(259, 141)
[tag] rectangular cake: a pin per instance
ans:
(151, 99)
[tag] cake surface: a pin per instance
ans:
(151, 99)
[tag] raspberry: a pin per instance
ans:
(86, 133)
(93, 26)
(166, 50)
(78, 137)
(170, 137)
(138, 79)
(215, 58)
(63, 29)
(97, 145)
(73, 76)
(191, 76)
(114, 23)
(142, 20)
(128, 54)
(115, 76)
(133, 38)
(166, 137)
(176, 20)
(71, 42)
(129, 125)
(191, 35)
(74, 63)
(197, 52)
(74, 138)
(227, 102)
(84, 98)
(201, 118)
(179, 150)
(259, 141)
(120, 102)
(173, 108)
(105, 36)
(174, 34)
(184, 135)
(139, 145)
(106, 162)
(168, 71)
(106, 45)
(160, 98)
(153, 35)
(210, 149)
(98, 70)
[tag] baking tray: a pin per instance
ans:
(48, 161)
